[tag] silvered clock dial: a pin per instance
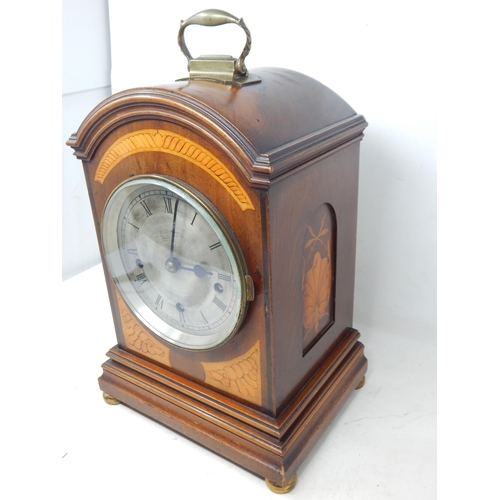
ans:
(175, 261)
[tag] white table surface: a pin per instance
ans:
(381, 445)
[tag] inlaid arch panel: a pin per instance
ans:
(318, 275)
(171, 143)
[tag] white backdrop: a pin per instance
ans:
(86, 65)
(386, 60)
(379, 57)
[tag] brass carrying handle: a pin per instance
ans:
(216, 17)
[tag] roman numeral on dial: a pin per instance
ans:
(146, 208)
(214, 246)
(159, 302)
(141, 278)
(219, 304)
(133, 225)
(168, 204)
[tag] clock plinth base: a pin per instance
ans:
(271, 447)
(110, 400)
(275, 488)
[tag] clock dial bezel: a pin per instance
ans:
(110, 237)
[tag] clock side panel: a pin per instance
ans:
(237, 368)
(313, 213)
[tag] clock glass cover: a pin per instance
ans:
(175, 261)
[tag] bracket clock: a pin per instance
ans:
(225, 209)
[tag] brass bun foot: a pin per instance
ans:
(361, 384)
(282, 489)
(110, 399)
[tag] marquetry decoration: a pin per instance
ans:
(318, 274)
(138, 338)
(240, 376)
(168, 142)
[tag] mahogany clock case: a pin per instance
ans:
(279, 161)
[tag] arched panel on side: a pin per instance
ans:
(318, 275)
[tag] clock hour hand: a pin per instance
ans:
(197, 270)
(173, 265)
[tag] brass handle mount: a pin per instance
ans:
(221, 68)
